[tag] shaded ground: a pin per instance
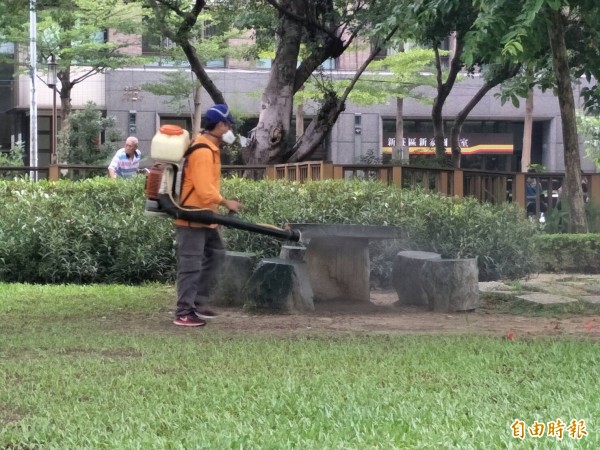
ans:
(380, 316)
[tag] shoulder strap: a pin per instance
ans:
(186, 155)
(194, 147)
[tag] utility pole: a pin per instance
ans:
(33, 128)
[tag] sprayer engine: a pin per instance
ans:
(167, 149)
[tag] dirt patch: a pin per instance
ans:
(117, 353)
(380, 316)
(8, 414)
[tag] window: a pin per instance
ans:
(7, 81)
(264, 63)
(381, 54)
(160, 49)
(445, 45)
(209, 30)
(100, 37)
(7, 48)
(329, 64)
(216, 63)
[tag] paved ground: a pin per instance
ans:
(551, 288)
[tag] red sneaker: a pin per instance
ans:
(189, 321)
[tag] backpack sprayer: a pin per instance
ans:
(165, 178)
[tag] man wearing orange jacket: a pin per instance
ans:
(200, 248)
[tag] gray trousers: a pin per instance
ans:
(200, 254)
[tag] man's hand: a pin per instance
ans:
(231, 205)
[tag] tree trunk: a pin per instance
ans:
(572, 184)
(527, 130)
(439, 135)
(443, 91)
(66, 86)
(504, 73)
(182, 38)
(270, 135)
(65, 110)
(397, 151)
(299, 120)
(211, 89)
(459, 120)
(332, 107)
(318, 129)
(65, 100)
(197, 114)
(297, 18)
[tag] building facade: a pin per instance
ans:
(491, 140)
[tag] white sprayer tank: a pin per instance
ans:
(169, 144)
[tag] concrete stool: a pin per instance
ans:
(407, 278)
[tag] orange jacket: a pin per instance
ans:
(201, 186)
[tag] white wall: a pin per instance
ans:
(91, 89)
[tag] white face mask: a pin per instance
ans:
(229, 137)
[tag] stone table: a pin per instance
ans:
(337, 257)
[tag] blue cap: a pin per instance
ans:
(219, 113)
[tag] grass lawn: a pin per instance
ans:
(100, 367)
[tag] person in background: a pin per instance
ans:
(200, 248)
(533, 191)
(126, 162)
(584, 187)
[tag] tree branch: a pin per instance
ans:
(85, 76)
(328, 114)
(181, 37)
(308, 65)
(302, 20)
(365, 64)
(506, 72)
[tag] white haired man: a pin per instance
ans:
(126, 162)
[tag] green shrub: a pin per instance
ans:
(498, 235)
(14, 157)
(95, 230)
(557, 220)
(87, 231)
(575, 253)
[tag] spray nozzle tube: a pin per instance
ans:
(208, 217)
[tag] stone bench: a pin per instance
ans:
(337, 256)
(406, 276)
(444, 285)
(272, 284)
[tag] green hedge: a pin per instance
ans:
(95, 230)
(574, 253)
(81, 232)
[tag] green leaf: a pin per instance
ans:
(515, 101)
